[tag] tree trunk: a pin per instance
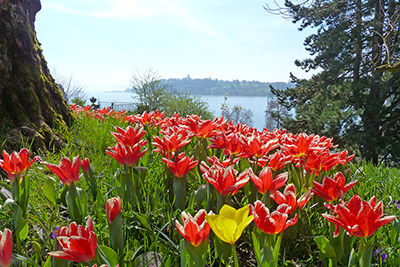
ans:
(31, 103)
(358, 44)
(371, 117)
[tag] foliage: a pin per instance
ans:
(153, 93)
(208, 86)
(150, 91)
(351, 99)
(186, 103)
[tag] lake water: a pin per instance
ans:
(255, 103)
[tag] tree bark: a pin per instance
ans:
(31, 104)
(373, 107)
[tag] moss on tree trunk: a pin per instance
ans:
(31, 104)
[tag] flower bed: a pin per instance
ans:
(255, 191)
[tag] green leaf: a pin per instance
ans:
(82, 196)
(26, 260)
(223, 250)
(277, 247)
(77, 203)
(106, 255)
(366, 255)
(143, 220)
(24, 232)
(325, 247)
(47, 262)
(116, 235)
(394, 232)
(165, 236)
(193, 256)
(353, 259)
(256, 246)
(36, 246)
(200, 196)
(49, 191)
(179, 187)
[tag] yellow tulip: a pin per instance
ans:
(229, 224)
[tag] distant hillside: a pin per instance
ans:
(209, 86)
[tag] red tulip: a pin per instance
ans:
(104, 111)
(301, 145)
(289, 197)
(264, 181)
(325, 161)
(257, 146)
(225, 180)
(126, 155)
(278, 160)
(173, 121)
(113, 208)
(332, 189)
(230, 143)
(131, 136)
(147, 118)
(215, 161)
(85, 164)
(5, 248)
(171, 141)
(271, 223)
(16, 163)
(76, 243)
(180, 165)
(358, 217)
(195, 229)
(200, 128)
(66, 171)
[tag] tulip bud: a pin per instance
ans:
(113, 208)
(5, 248)
(114, 217)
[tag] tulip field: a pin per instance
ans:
(151, 190)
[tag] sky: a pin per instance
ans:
(102, 43)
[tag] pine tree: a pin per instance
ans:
(356, 96)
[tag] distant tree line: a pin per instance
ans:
(208, 86)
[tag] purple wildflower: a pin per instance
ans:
(54, 232)
(381, 256)
(395, 203)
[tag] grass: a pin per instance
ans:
(149, 223)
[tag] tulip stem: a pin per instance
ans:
(364, 253)
(179, 187)
(209, 192)
(220, 201)
(235, 256)
(266, 198)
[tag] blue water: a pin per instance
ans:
(255, 103)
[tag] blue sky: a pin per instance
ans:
(101, 43)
